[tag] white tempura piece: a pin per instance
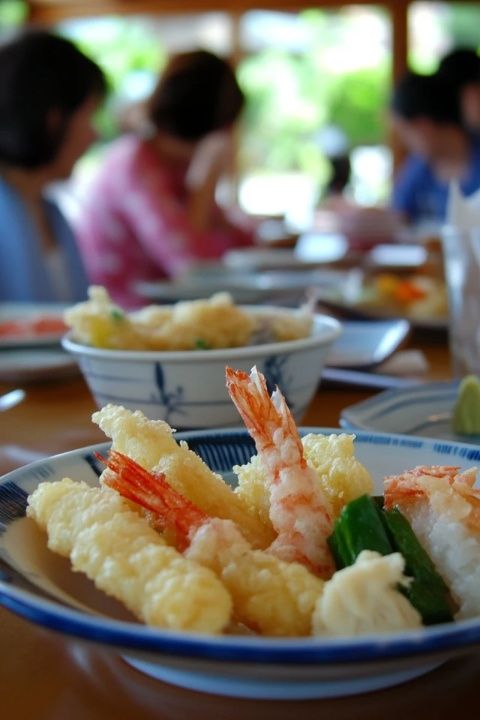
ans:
(117, 549)
(364, 598)
(152, 445)
(205, 324)
(100, 322)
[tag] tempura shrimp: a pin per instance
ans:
(443, 507)
(299, 510)
(116, 548)
(269, 596)
(442, 485)
(152, 444)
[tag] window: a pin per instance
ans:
(316, 81)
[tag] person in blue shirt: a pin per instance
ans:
(426, 116)
(49, 93)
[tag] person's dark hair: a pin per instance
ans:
(461, 67)
(44, 79)
(196, 94)
(340, 174)
(429, 96)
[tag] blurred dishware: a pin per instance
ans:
(11, 398)
(187, 388)
(362, 227)
(461, 248)
(249, 259)
(243, 286)
(365, 344)
(41, 587)
(321, 247)
(343, 377)
(31, 324)
(397, 256)
(424, 410)
(274, 232)
(420, 299)
(33, 364)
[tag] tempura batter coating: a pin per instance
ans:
(341, 476)
(152, 445)
(204, 324)
(117, 549)
(101, 323)
(269, 595)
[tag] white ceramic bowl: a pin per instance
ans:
(187, 388)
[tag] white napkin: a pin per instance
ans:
(405, 362)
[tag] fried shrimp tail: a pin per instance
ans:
(152, 444)
(117, 549)
(299, 510)
(269, 596)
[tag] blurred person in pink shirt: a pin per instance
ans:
(151, 211)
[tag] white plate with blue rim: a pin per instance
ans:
(40, 586)
(424, 410)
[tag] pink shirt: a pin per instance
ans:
(134, 225)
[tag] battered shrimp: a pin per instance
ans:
(117, 549)
(269, 596)
(443, 507)
(152, 444)
(299, 510)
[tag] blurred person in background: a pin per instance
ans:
(461, 68)
(426, 116)
(152, 211)
(49, 92)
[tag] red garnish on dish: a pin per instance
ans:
(37, 327)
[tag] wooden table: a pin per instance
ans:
(44, 676)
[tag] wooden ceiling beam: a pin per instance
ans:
(53, 11)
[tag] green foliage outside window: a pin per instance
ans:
(12, 13)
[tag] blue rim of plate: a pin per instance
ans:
(39, 608)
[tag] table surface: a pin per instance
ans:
(44, 675)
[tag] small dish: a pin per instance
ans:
(364, 344)
(423, 410)
(31, 324)
(358, 298)
(41, 587)
(244, 287)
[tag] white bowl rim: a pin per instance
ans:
(326, 330)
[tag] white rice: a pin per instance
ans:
(455, 550)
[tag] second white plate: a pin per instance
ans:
(364, 344)
(423, 410)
